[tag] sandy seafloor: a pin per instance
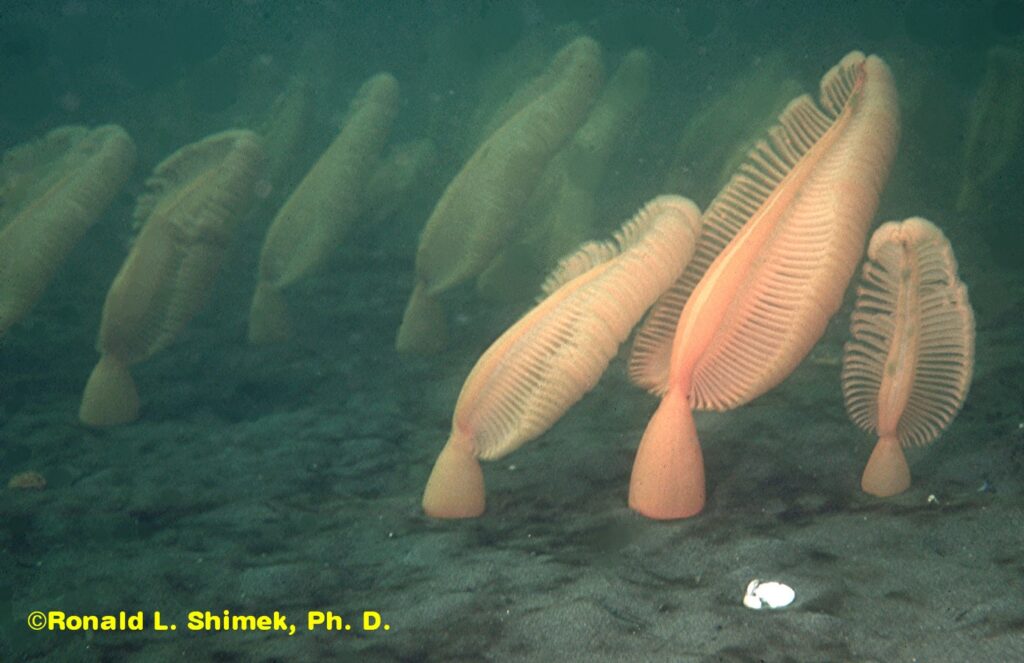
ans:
(288, 478)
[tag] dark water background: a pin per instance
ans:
(173, 73)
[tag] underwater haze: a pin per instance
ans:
(252, 251)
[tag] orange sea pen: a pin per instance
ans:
(908, 367)
(556, 353)
(780, 244)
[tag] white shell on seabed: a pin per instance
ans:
(769, 595)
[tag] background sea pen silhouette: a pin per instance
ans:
(322, 208)
(194, 200)
(51, 191)
(481, 207)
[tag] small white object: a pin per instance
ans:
(770, 595)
